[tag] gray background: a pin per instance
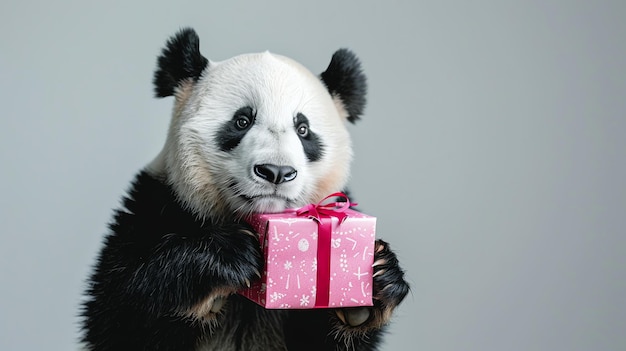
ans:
(492, 151)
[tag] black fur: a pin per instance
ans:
(180, 60)
(344, 78)
(159, 261)
(313, 148)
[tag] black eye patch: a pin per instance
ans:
(231, 133)
(311, 143)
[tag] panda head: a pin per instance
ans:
(257, 132)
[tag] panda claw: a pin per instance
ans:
(218, 303)
(380, 272)
(379, 262)
(341, 316)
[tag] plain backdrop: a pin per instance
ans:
(492, 150)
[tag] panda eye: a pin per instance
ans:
(242, 122)
(303, 130)
(243, 118)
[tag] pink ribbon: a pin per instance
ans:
(333, 209)
(322, 213)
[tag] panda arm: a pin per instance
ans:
(163, 260)
(183, 269)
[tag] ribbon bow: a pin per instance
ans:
(316, 212)
(333, 209)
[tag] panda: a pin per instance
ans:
(253, 133)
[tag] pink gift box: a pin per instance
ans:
(314, 264)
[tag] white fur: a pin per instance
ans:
(277, 88)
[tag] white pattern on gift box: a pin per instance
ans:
(288, 221)
(359, 274)
(303, 245)
(366, 253)
(304, 300)
(353, 243)
(275, 296)
(365, 286)
(343, 261)
(335, 243)
(276, 237)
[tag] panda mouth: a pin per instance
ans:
(270, 203)
(251, 198)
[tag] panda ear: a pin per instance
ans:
(180, 60)
(346, 82)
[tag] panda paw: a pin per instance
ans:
(238, 263)
(390, 289)
(209, 308)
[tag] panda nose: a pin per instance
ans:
(275, 174)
